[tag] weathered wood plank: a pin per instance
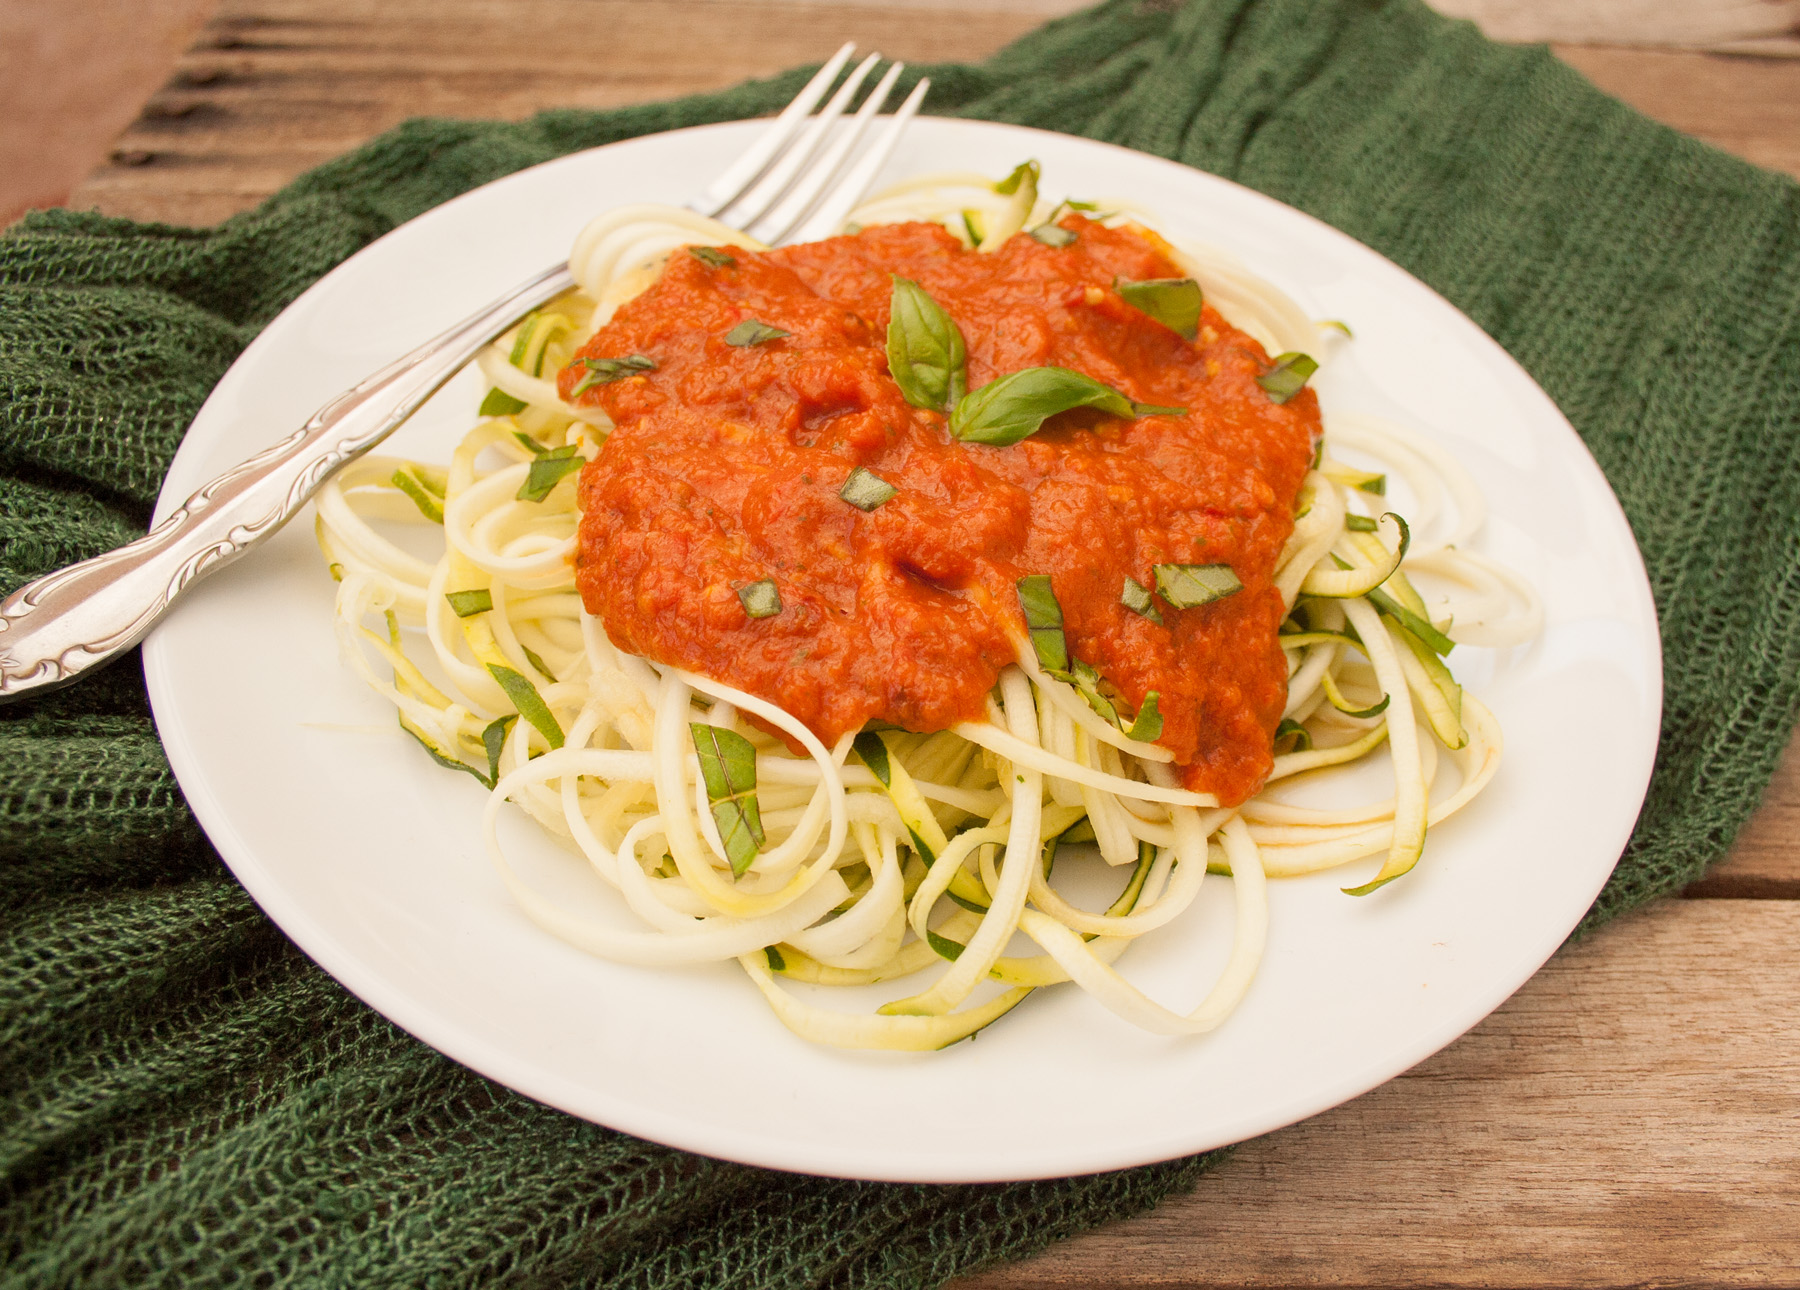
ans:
(1631, 1117)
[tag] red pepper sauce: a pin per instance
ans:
(726, 463)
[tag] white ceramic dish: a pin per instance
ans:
(368, 855)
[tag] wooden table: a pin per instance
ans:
(1631, 1117)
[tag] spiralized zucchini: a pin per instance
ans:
(894, 855)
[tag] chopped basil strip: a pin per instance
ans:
(538, 663)
(945, 947)
(468, 603)
(604, 371)
(713, 257)
(1318, 453)
(1359, 523)
(1053, 235)
(1043, 619)
(531, 445)
(1301, 735)
(728, 766)
(547, 471)
(761, 599)
(1188, 585)
(422, 487)
(1024, 170)
(1288, 376)
(874, 754)
(493, 740)
(752, 332)
(1087, 684)
(865, 490)
(529, 702)
(1149, 723)
(925, 349)
(776, 962)
(1014, 407)
(972, 225)
(1173, 302)
(499, 403)
(1136, 598)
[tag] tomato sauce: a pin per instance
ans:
(725, 467)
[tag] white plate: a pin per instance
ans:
(368, 855)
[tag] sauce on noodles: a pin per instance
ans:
(726, 462)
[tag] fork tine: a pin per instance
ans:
(810, 187)
(747, 169)
(782, 175)
(825, 221)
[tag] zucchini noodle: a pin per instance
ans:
(892, 854)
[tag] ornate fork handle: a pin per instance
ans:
(56, 627)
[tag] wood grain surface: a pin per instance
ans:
(1630, 1118)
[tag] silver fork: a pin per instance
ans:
(796, 183)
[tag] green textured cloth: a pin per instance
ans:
(188, 1101)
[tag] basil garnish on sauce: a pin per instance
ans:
(753, 332)
(1188, 585)
(1052, 235)
(926, 354)
(1044, 621)
(1014, 407)
(546, 471)
(713, 257)
(1149, 724)
(1173, 302)
(761, 599)
(1288, 376)
(728, 767)
(604, 371)
(1135, 596)
(865, 490)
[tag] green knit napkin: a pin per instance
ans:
(188, 1101)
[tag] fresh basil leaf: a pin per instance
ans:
(529, 702)
(776, 962)
(1044, 621)
(761, 599)
(531, 445)
(1136, 598)
(973, 225)
(1053, 235)
(442, 758)
(1173, 302)
(538, 663)
(925, 349)
(1188, 585)
(865, 490)
(728, 768)
(1289, 375)
(1014, 407)
(1358, 523)
(604, 371)
(547, 471)
(469, 603)
(499, 403)
(752, 332)
(1087, 684)
(713, 257)
(1149, 723)
(493, 740)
